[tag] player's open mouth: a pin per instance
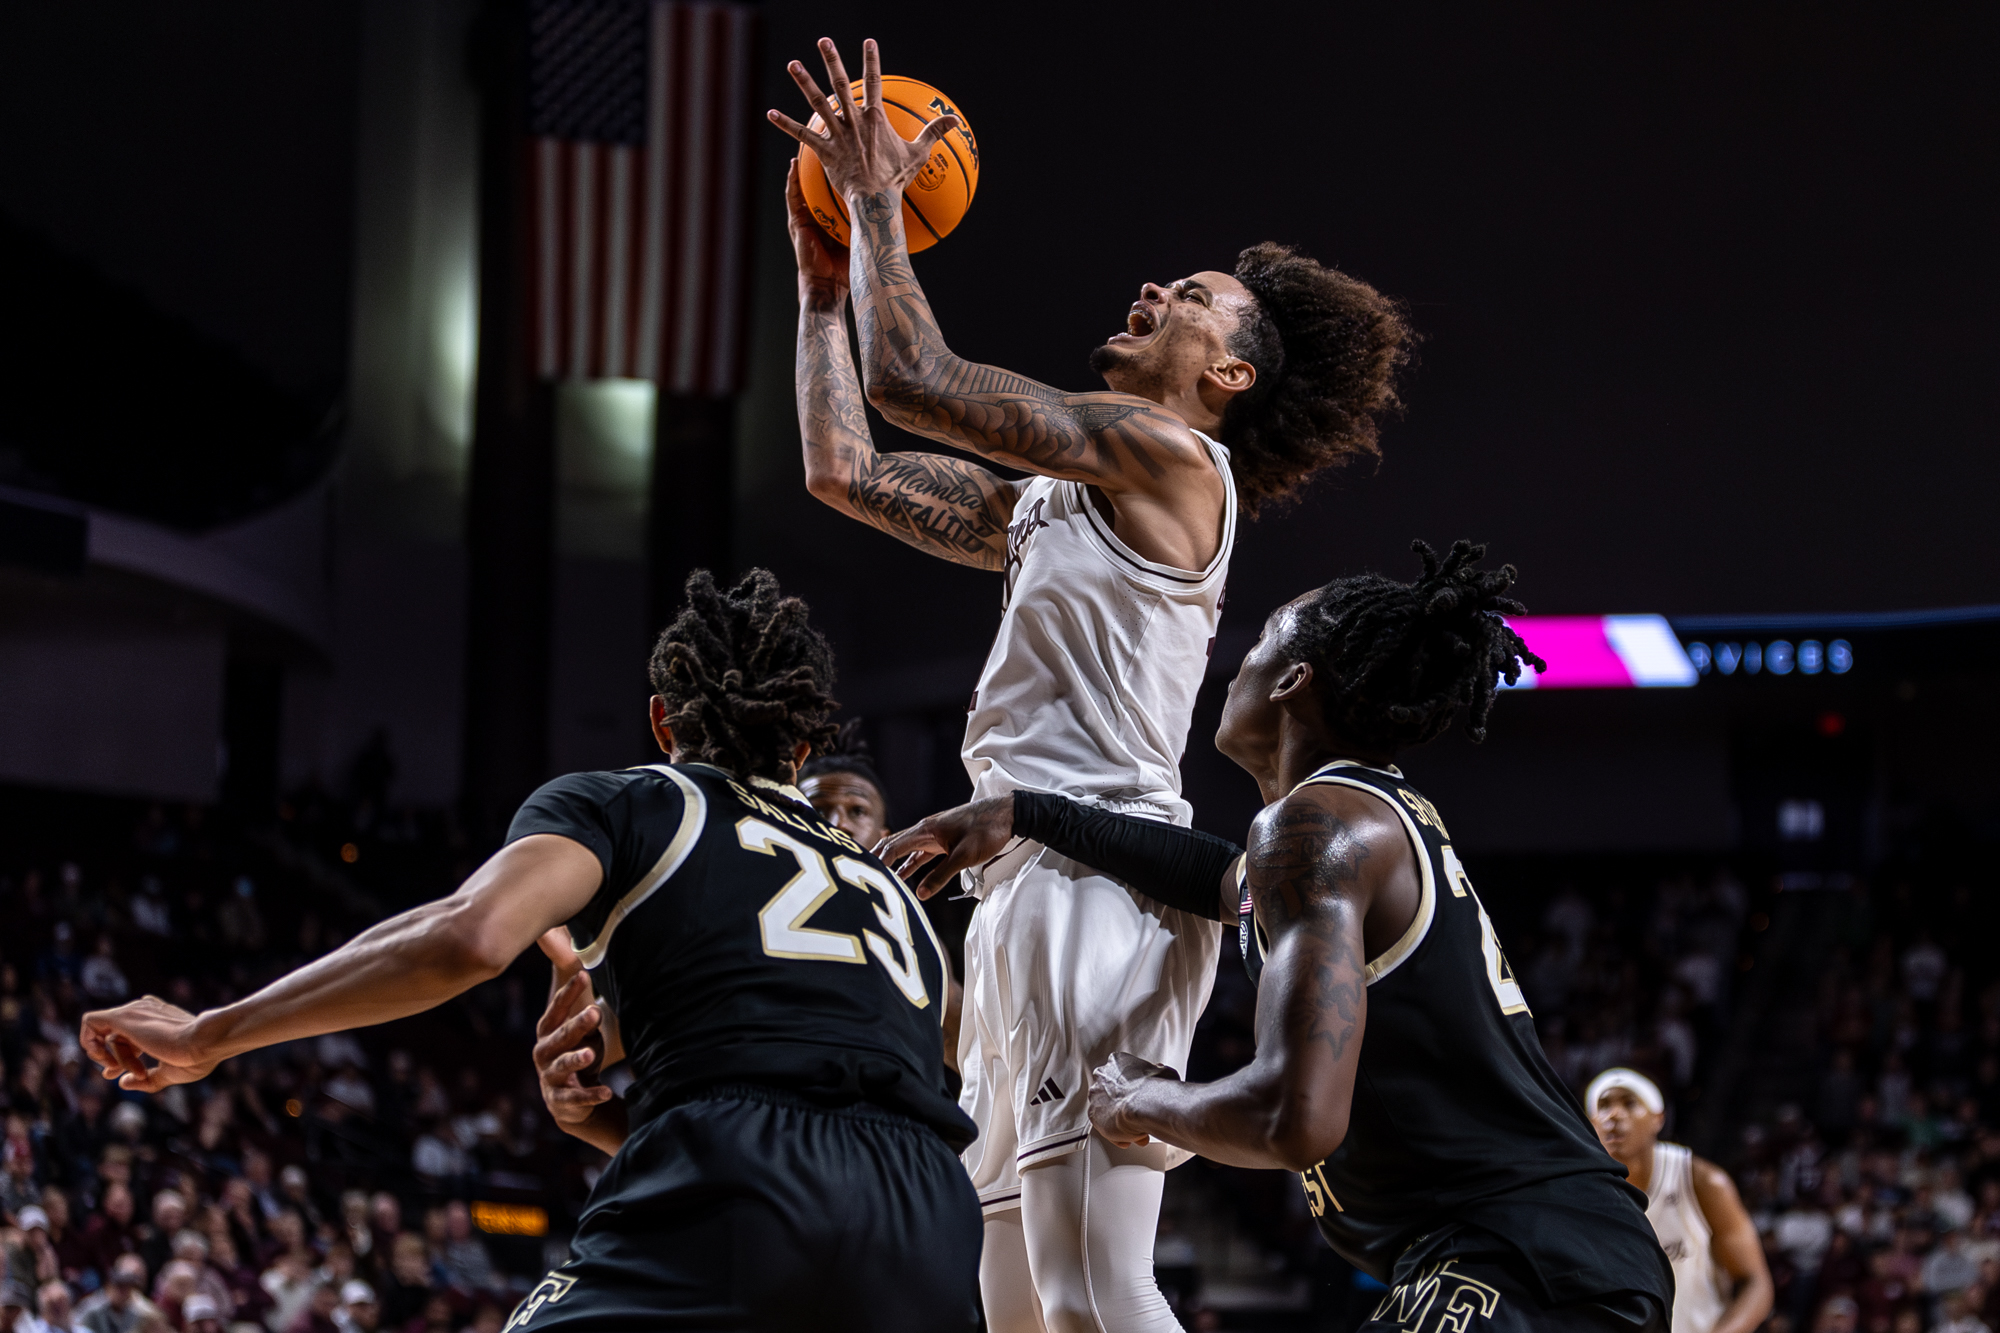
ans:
(1139, 323)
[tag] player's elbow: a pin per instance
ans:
(464, 943)
(826, 486)
(897, 392)
(1300, 1134)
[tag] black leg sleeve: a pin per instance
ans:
(1176, 866)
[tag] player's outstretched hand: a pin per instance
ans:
(946, 843)
(569, 1051)
(859, 148)
(1111, 1093)
(121, 1039)
(822, 260)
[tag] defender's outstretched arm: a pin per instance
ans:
(939, 504)
(1114, 441)
(414, 961)
(1288, 1109)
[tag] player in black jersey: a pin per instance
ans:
(1397, 1067)
(789, 1146)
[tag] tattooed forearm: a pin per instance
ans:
(917, 382)
(942, 505)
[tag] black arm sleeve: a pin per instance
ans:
(1176, 866)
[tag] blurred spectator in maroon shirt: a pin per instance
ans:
(110, 1232)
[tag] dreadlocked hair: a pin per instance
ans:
(849, 753)
(1326, 348)
(1395, 663)
(744, 676)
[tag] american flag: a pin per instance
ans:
(640, 117)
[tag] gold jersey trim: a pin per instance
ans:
(694, 813)
(1393, 957)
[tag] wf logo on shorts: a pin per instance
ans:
(1438, 1299)
(547, 1292)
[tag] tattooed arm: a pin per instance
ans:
(1115, 441)
(1316, 861)
(943, 505)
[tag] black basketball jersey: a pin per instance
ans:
(1457, 1114)
(739, 938)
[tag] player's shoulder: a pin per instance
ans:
(1331, 810)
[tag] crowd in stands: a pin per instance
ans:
(335, 1184)
(341, 1184)
(1878, 1191)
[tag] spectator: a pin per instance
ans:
(316, 1315)
(295, 1192)
(14, 1316)
(359, 1312)
(39, 1257)
(191, 1247)
(201, 1315)
(119, 1307)
(408, 1287)
(110, 1232)
(467, 1265)
(156, 1243)
(1959, 1317)
(290, 1279)
(57, 1312)
(1948, 1268)
(177, 1280)
(354, 1225)
(103, 980)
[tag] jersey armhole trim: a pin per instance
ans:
(1396, 954)
(694, 814)
(1188, 580)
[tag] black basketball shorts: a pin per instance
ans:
(751, 1209)
(1460, 1279)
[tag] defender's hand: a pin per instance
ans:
(860, 149)
(822, 261)
(967, 835)
(120, 1040)
(569, 1051)
(1111, 1089)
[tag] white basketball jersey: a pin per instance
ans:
(1090, 687)
(1671, 1206)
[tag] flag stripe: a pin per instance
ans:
(638, 239)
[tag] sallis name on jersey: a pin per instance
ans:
(793, 818)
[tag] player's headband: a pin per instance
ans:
(1634, 1082)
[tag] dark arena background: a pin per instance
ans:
(317, 555)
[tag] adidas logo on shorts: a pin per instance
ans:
(1048, 1092)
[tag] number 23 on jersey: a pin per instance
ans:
(783, 919)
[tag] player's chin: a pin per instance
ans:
(1107, 358)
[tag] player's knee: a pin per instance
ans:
(1067, 1309)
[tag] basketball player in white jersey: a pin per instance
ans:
(1721, 1283)
(1115, 552)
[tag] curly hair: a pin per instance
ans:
(1395, 663)
(744, 676)
(1326, 348)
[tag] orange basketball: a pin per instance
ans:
(942, 191)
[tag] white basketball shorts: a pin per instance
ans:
(1063, 967)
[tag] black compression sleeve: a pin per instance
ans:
(1176, 866)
